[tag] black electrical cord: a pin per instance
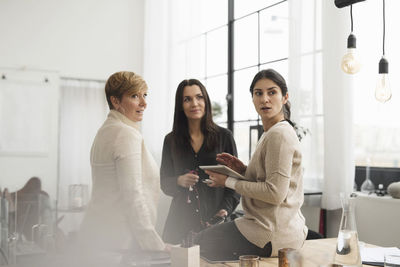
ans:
(383, 46)
(351, 16)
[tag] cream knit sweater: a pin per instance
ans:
(126, 188)
(273, 192)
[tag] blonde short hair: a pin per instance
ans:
(123, 82)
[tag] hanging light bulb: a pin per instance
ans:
(383, 92)
(350, 63)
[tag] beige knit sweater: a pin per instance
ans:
(273, 194)
(126, 189)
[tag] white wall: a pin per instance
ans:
(78, 38)
(88, 39)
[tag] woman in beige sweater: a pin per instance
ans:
(272, 192)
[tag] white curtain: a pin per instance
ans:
(167, 23)
(83, 109)
(322, 96)
(157, 73)
(339, 167)
(305, 86)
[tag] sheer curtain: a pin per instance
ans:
(339, 167)
(157, 73)
(305, 85)
(167, 23)
(322, 96)
(83, 109)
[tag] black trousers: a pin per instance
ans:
(224, 242)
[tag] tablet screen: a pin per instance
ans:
(222, 169)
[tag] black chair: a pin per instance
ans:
(313, 235)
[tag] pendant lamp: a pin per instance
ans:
(383, 92)
(350, 62)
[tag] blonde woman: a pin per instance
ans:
(126, 181)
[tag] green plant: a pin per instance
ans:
(216, 109)
(301, 132)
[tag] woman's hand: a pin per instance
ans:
(217, 179)
(168, 247)
(187, 180)
(220, 215)
(232, 162)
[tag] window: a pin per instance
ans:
(261, 40)
(376, 131)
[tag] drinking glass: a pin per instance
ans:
(248, 260)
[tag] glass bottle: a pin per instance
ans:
(368, 186)
(347, 248)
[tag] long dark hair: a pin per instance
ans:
(274, 76)
(180, 130)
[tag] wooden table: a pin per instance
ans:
(314, 252)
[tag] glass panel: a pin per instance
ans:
(8, 235)
(217, 51)
(312, 148)
(223, 124)
(376, 131)
(256, 131)
(214, 14)
(309, 93)
(274, 33)
(217, 89)
(196, 57)
(246, 41)
(280, 66)
(381, 145)
(308, 26)
(242, 139)
(244, 7)
(318, 24)
(243, 103)
(306, 90)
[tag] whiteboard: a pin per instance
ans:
(25, 117)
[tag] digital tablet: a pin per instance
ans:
(222, 169)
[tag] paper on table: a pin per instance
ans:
(377, 254)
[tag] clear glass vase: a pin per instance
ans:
(347, 248)
(367, 186)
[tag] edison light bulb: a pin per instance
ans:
(382, 89)
(383, 92)
(350, 63)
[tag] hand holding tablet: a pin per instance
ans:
(207, 181)
(223, 170)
